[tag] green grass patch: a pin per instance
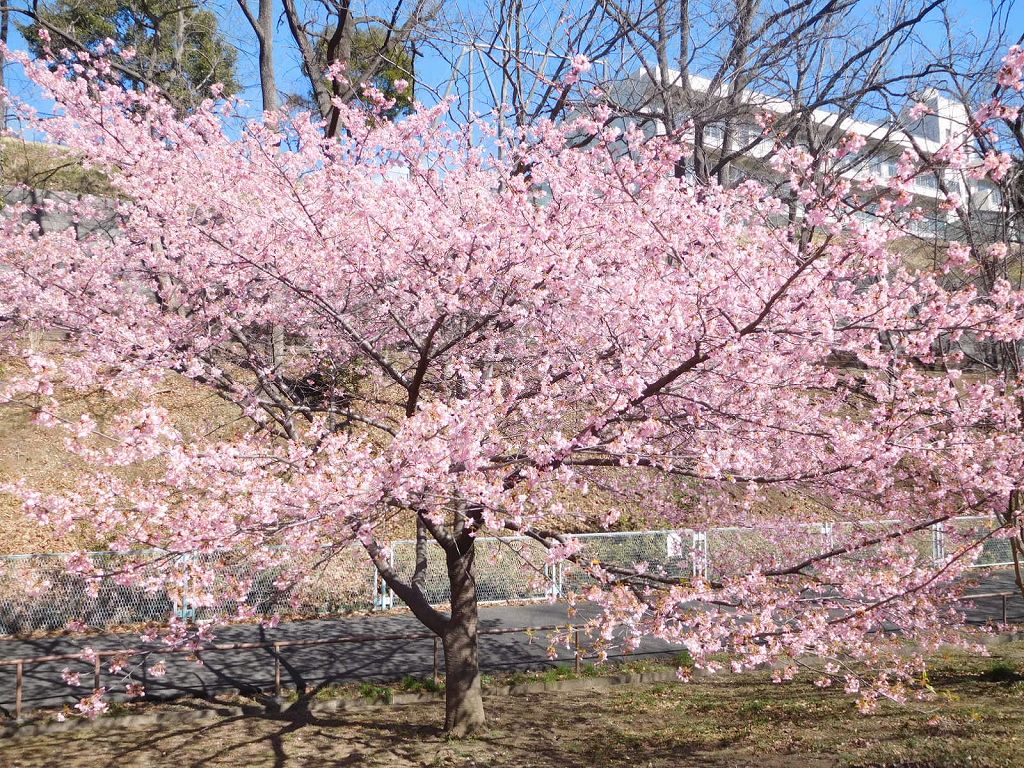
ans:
(1002, 671)
(410, 684)
(375, 692)
(49, 167)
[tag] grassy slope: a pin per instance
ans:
(27, 450)
(43, 166)
(38, 455)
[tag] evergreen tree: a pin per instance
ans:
(373, 61)
(177, 47)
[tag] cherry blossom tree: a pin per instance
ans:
(979, 176)
(476, 341)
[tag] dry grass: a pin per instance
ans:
(976, 720)
(38, 455)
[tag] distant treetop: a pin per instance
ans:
(176, 46)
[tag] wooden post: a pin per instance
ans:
(277, 669)
(1004, 607)
(437, 660)
(576, 660)
(96, 667)
(19, 687)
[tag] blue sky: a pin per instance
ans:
(434, 71)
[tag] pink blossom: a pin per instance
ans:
(564, 549)
(996, 164)
(1012, 72)
(851, 144)
(412, 332)
(579, 65)
(919, 110)
(95, 705)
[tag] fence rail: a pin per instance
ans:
(38, 593)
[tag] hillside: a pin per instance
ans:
(37, 454)
(46, 167)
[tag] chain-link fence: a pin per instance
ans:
(46, 593)
(42, 593)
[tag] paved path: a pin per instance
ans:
(302, 668)
(307, 668)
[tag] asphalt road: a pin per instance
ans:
(305, 669)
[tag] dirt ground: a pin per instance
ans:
(977, 720)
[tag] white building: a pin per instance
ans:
(738, 131)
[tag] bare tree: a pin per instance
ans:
(993, 211)
(5, 26)
(327, 39)
(705, 68)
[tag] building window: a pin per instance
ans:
(883, 168)
(746, 134)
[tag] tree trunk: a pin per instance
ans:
(265, 38)
(5, 25)
(262, 23)
(464, 706)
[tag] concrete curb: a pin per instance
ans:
(359, 704)
(1009, 637)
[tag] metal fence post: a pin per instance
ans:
(828, 531)
(437, 660)
(700, 554)
(938, 542)
(576, 659)
(277, 669)
(383, 597)
(185, 610)
(553, 574)
(19, 688)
